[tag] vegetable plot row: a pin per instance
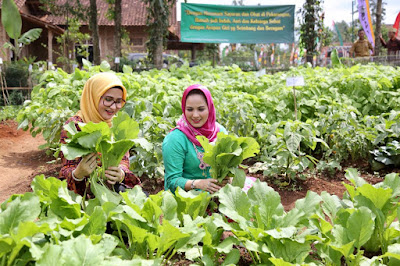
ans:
(48, 227)
(343, 113)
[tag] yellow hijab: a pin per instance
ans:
(94, 88)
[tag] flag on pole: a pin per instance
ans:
(338, 33)
(292, 54)
(396, 24)
(365, 20)
(272, 54)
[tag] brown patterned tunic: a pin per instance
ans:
(69, 165)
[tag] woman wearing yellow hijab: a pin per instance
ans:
(102, 97)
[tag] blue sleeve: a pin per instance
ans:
(222, 129)
(173, 150)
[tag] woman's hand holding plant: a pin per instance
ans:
(86, 166)
(114, 174)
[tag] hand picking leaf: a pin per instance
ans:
(226, 154)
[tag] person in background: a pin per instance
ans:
(182, 152)
(102, 97)
(392, 45)
(361, 47)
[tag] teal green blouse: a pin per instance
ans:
(180, 160)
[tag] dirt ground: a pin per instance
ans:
(21, 160)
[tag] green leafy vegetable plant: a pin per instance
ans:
(226, 154)
(112, 142)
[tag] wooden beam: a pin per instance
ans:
(17, 88)
(50, 45)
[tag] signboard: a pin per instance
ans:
(295, 81)
(237, 24)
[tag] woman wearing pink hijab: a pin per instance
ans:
(182, 152)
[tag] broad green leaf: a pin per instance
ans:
(81, 251)
(151, 211)
(64, 205)
(71, 151)
(192, 203)
(145, 144)
(267, 201)
(97, 223)
(345, 249)
(226, 153)
(232, 258)
(71, 225)
(353, 177)
(86, 64)
(23, 236)
(252, 148)
(105, 66)
(239, 177)
(133, 214)
(293, 142)
(378, 196)
(323, 225)
(51, 256)
(90, 141)
(30, 36)
(360, 226)
(280, 262)
(135, 198)
(303, 209)
(235, 204)
(330, 204)
(6, 245)
(393, 181)
(23, 209)
(127, 69)
(113, 152)
(104, 194)
(289, 250)
(169, 206)
(11, 19)
(169, 235)
(71, 128)
(124, 127)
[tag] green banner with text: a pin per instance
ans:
(237, 24)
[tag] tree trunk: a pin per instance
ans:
(158, 60)
(95, 31)
(310, 21)
(117, 32)
(378, 26)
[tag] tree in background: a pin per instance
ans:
(311, 21)
(94, 28)
(158, 12)
(115, 13)
(379, 13)
(373, 5)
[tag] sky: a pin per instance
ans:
(336, 10)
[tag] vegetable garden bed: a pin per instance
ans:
(343, 114)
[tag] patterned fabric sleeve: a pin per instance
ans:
(131, 179)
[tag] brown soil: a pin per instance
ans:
(21, 160)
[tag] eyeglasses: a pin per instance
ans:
(108, 101)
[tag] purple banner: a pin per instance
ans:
(365, 19)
